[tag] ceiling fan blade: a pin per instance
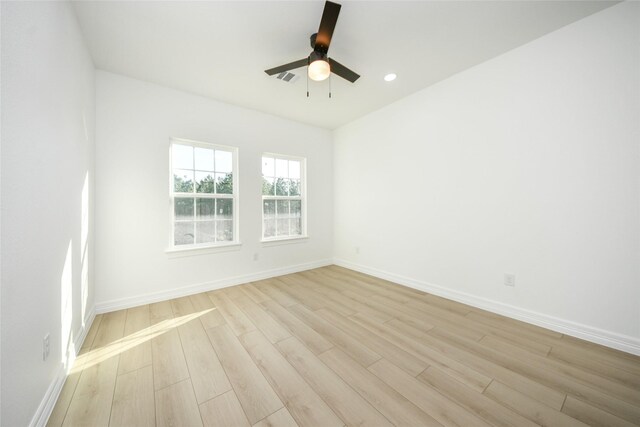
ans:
(342, 71)
(327, 25)
(286, 67)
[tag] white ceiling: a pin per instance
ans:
(219, 49)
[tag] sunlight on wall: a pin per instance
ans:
(66, 304)
(84, 250)
(114, 348)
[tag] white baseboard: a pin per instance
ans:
(50, 398)
(589, 333)
(122, 303)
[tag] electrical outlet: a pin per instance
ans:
(509, 279)
(45, 347)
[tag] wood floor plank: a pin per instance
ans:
(275, 294)
(160, 311)
(296, 288)
(417, 317)
(406, 361)
(460, 371)
(64, 400)
(234, 291)
(438, 318)
(512, 325)
(600, 351)
(389, 402)
(313, 340)
(91, 335)
(169, 364)
(182, 306)
(334, 301)
(463, 351)
(255, 394)
(556, 380)
(111, 329)
(359, 304)
(585, 360)
(263, 321)
(280, 418)
(254, 293)
(591, 415)
(533, 410)
(176, 406)
(210, 316)
(474, 402)
(305, 406)
(133, 399)
(235, 318)
(136, 340)
(442, 409)
(224, 411)
(91, 403)
(340, 339)
(205, 370)
(571, 372)
(345, 402)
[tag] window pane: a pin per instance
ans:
(181, 156)
(183, 208)
(183, 181)
(205, 208)
(296, 208)
(224, 183)
(294, 187)
(282, 168)
(268, 166)
(282, 227)
(267, 186)
(225, 231)
(224, 161)
(204, 182)
(269, 209)
(296, 226)
(183, 233)
(204, 159)
(296, 217)
(282, 208)
(224, 208)
(269, 228)
(294, 169)
(205, 232)
(282, 187)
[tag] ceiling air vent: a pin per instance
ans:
(287, 77)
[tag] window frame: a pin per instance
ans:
(302, 198)
(234, 197)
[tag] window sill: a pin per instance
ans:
(284, 241)
(202, 250)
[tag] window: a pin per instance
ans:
(283, 197)
(204, 194)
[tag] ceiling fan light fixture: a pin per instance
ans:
(319, 70)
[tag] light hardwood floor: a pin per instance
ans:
(333, 347)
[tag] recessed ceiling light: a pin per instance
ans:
(390, 77)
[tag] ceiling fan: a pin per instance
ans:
(319, 64)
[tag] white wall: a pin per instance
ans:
(528, 164)
(48, 114)
(135, 123)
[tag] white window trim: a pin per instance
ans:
(303, 197)
(202, 248)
